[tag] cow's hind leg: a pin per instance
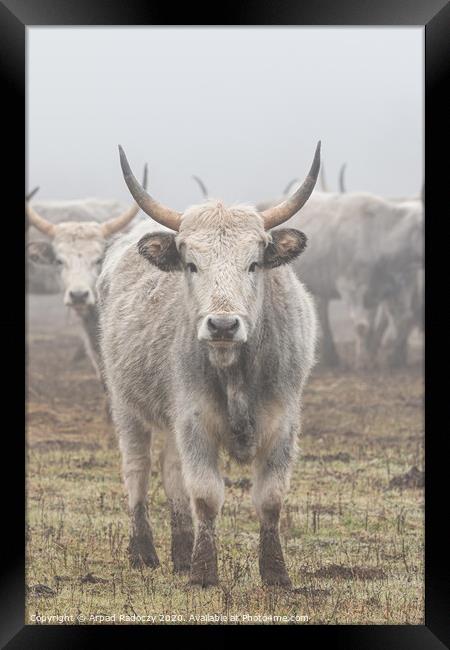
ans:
(134, 442)
(272, 472)
(180, 509)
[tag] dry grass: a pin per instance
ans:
(352, 529)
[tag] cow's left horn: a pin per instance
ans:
(280, 213)
(158, 212)
(114, 225)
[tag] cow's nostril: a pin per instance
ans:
(211, 325)
(223, 324)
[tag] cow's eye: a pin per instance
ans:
(99, 261)
(59, 261)
(252, 267)
(191, 267)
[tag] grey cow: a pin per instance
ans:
(396, 283)
(359, 233)
(208, 337)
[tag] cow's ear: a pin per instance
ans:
(41, 252)
(285, 246)
(159, 249)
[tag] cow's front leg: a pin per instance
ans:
(134, 442)
(272, 473)
(180, 509)
(199, 456)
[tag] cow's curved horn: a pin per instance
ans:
(30, 195)
(289, 186)
(202, 186)
(118, 223)
(38, 222)
(158, 212)
(285, 210)
(342, 187)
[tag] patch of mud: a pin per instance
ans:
(42, 591)
(415, 478)
(311, 592)
(341, 456)
(71, 445)
(90, 578)
(349, 573)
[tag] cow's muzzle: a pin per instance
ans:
(222, 329)
(79, 299)
(362, 328)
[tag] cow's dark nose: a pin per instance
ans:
(225, 326)
(78, 297)
(362, 328)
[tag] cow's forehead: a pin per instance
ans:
(78, 230)
(212, 223)
(81, 238)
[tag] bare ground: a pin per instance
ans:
(352, 528)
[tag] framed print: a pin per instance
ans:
(229, 327)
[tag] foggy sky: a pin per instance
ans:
(241, 107)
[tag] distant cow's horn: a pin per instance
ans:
(285, 210)
(323, 180)
(289, 186)
(342, 187)
(114, 225)
(38, 222)
(30, 195)
(160, 213)
(201, 185)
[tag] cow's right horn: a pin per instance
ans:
(280, 213)
(160, 213)
(38, 222)
(115, 224)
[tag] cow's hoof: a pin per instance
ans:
(182, 544)
(142, 553)
(204, 571)
(277, 580)
(181, 562)
(204, 578)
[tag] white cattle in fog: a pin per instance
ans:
(76, 236)
(351, 235)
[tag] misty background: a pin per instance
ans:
(240, 107)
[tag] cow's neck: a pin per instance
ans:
(238, 386)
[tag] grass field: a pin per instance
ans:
(352, 527)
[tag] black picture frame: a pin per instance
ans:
(15, 16)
